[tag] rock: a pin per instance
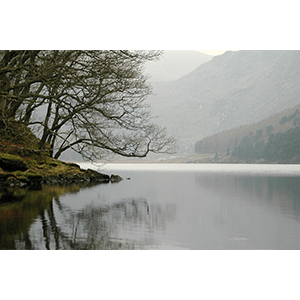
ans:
(11, 180)
(53, 164)
(12, 163)
(34, 179)
(115, 178)
(4, 176)
(72, 165)
(95, 176)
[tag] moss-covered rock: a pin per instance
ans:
(115, 178)
(35, 178)
(95, 176)
(10, 162)
(3, 176)
(23, 164)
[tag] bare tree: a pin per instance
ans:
(90, 101)
(17, 74)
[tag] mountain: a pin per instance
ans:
(175, 64)
(233, 89)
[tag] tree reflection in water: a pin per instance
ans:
(127, 224)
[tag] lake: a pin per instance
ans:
(160, 206)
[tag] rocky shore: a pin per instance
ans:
(14, 171)
(23, 163)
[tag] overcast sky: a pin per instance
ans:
(213, 52)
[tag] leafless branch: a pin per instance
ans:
(92, 101)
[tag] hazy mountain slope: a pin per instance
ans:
(172, 65)
(175, 64)
(233, 89)
(278, 123)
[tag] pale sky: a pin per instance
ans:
(213, 52)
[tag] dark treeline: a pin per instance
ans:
(281, 147)
(277, 142)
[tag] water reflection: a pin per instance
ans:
(20, 207)
(127, 224)
(40, 220)
(254, 212)
(280, 192)
(157, 210)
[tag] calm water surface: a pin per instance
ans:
(161, 206)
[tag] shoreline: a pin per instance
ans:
(58, 172)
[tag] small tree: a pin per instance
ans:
(228, 152)
(216, 156)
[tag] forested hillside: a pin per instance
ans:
(276, 139)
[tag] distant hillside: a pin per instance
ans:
(231, 90)
(275, 139)
(175, 64)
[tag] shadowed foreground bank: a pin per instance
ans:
(23, 164)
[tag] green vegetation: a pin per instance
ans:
(280, 148)
(278, 142)
(22, 163)
(283, 147)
